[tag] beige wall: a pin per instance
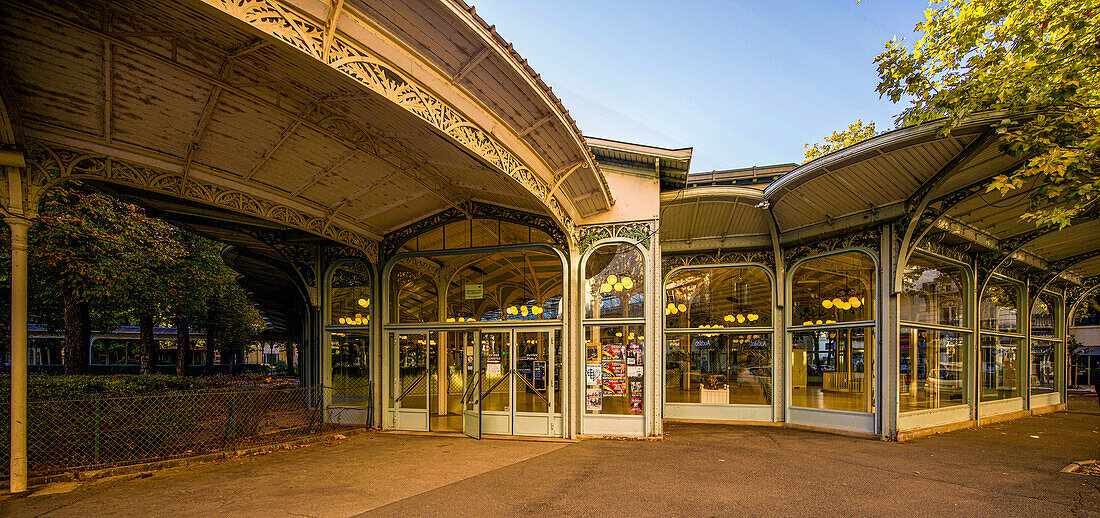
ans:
(636, 198)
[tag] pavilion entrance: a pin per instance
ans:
(489, 380)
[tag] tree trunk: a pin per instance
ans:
(78, 332)
(148, 345)
(289, 357)
(183, 346)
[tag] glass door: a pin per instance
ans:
(496, 382)
(534, 382)
(471, 375)
(411, 380)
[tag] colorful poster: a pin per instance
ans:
(614, 387)
(592, 352)
(612, 352)
(594, 399)
(614, 370)
(593, 374)
(634, 354)
(635, 404)
(636, 387)
(634, 371)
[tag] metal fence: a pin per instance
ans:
(95, 433)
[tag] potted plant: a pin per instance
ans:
(714, 390)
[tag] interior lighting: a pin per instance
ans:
(343, 320)
(627, 282)
(855, 302)
(611, 279)
(606, 288)
(753, 317)
(364, 303)
(682, 307)
(619, 334)
(827, 304)
(819, 322)
(740, 318)
(618, 286)
(452, 319)
(807, 323)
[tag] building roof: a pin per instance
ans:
(670, 165)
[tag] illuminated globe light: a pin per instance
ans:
(837, 302)
(364, 303)
(359, 316)
(611, 279)
(728, 318)
(827, 304)
(818, 322)
(753, 317)
(830, 321)
(537, 310)
(523, 310)
(618, 286)
(452, 319)
(668, 311)
(682, 307)
(627, 282)
(606, 288)
(631, 336)
(844, 305)
(807, 323)
(740, 318)
(854, 301)
(343, 320)
(619, 334)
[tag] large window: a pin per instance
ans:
(614, 329)
(933, 344)
(1046, 343)
(1000, 340)
(718, 347)
(832, 342)
(349, 308)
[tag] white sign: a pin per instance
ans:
(474, 291)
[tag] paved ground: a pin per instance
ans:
(1008, 469)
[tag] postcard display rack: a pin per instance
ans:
(614, 378)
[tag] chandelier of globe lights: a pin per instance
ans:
(613, 283)
(359, 319)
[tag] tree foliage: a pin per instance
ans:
(1038, 61)
(840, 139)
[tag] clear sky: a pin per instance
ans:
(743, 82)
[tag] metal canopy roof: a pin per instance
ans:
(670, 165)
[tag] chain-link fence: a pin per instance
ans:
(94, 433)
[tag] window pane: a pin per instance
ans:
(999, 310)
(934, 292)
(724, 297)
(933, 369)
(614, 369)
(614, 283)
(835, 288)
(718, 369)
(412, 366)
(349, 295)
(532, 368)
(413, 294)
(350, 369)
(1000, 368)
(511, 285)
(1043, 366)
(832, 369)
(1044, 316)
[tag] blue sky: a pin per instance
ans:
(744, 83)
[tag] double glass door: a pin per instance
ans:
(494, 381)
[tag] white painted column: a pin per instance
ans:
(19, 227)
(887, 363)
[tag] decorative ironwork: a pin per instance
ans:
(865, 239)
(301, 257)
(669, 262)
(357, 62)
(947, 251)
(49, 165)
(393, 241)
(640, 231)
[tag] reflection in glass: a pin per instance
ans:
(1000, 368)
(510, 285)
(447, 379)
(933, 292)
(933, 366)
(1043, 320)
(614, 369)
(834, 288)
(832, 369)
(718, 368)
(558, 347)
(351, 382)
(412, 366)
(614, 283)
(999, 310)
(413, 294)
(718, 297)
(349, 295)
(1042, 366)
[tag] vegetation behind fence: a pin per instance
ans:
(97, 432)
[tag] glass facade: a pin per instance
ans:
(1000, 367)
(615, 283)
(1000, 307)
(1000, 343)
(832, 367)
(349, 296)
(1046, 343)
(718, 297)
(933, 363)
(351, 383)
(721, 368)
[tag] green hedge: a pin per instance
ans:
(47, 387)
